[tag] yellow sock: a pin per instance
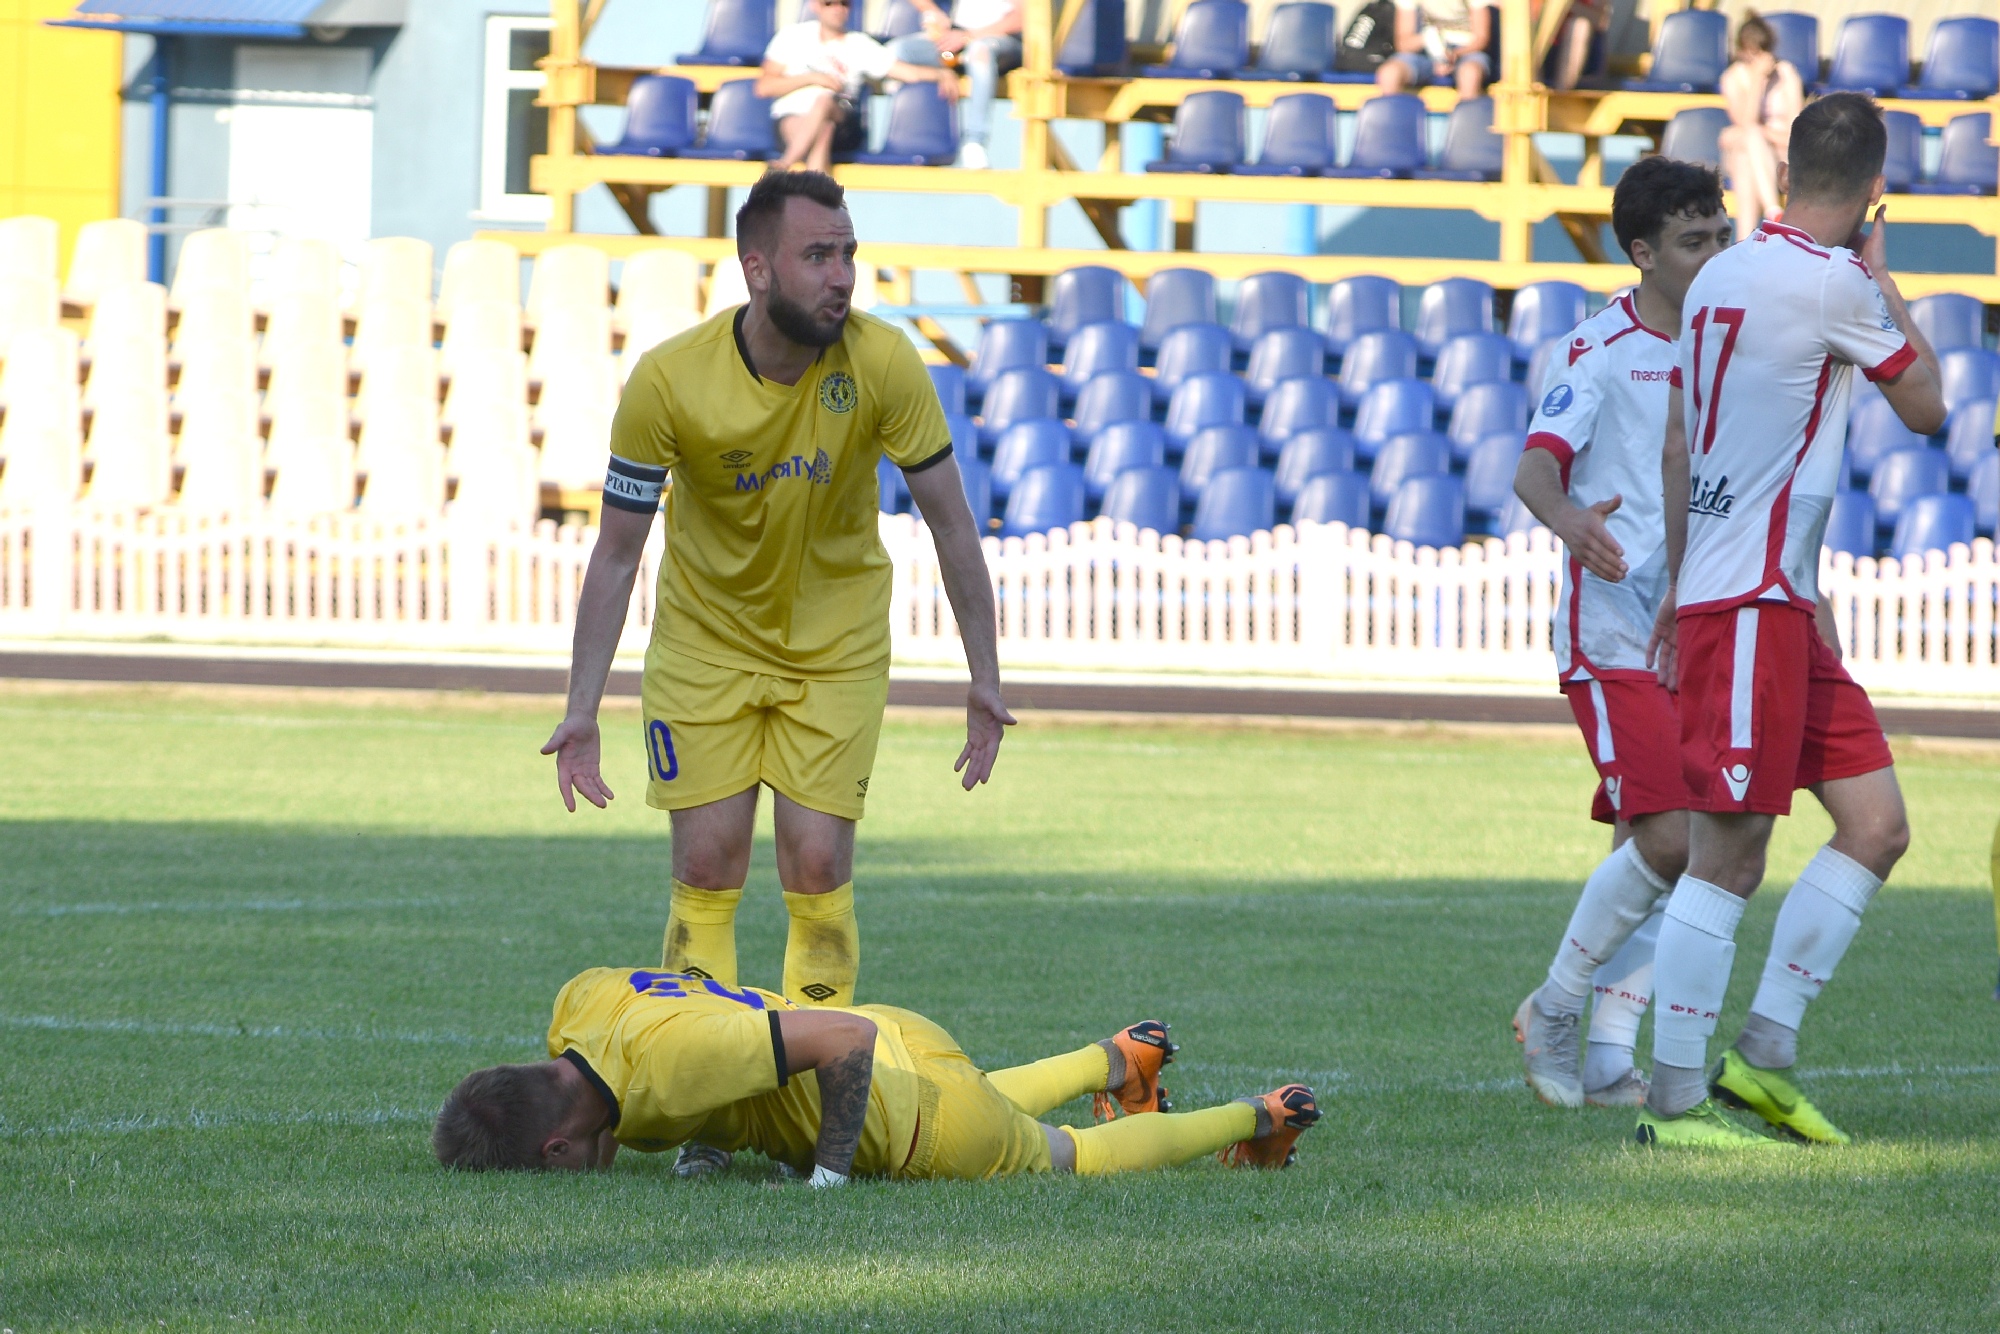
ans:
(823, 947)
(1160, 1139)
(1048, 1084)
(701, 933)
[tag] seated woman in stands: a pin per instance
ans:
(1441, 39)
(1763, 94)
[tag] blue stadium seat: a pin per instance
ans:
(1304, 404)
(894, 490)
(1950, 319)
(1452, 306)
(1484, 410)
(1301, 135)
(1871, 55)
(1903, 163)
(1283, 354)
(977, 479)
(1969, 373)
(1236, 503)
(1045, 497)
(1695, 135)
(1333, 497)
(1208, 135)
(1175, 297)
(1389, 138)
(1967, 164)
(1298, 44)
(1902, 475)
(1213, 398)
(1191, 349)
(923, 130)
(1874, 431)
(1212, 42)
(1089, 294)
(1472, 152)
(1968, 436)
(1213, 450)
(1358, 305)
(736, 33)
(1689, 55)
(1469, 359)
(1543, 311)
(1934, 523)
(1006, 345)
(1310, 453)
(1269, 300)
(1025, 445)
(1115, 396)
(660, 117)
(739, 125)
(1412, 454)
(1489, 479)
(949, 381)
(1392, 407)
(1026, 393)
(1850, 524)
(1982, 488)
(903, 19)
(1538, 365)
(1427, 511)
(1145, 498)
(1096, 44)
(1798, 42)
(1094, 349)
(1119, 446)
(1381, 354)
(964, 435)
(1963, 61)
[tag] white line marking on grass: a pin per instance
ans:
(260, 721)
(241, 905)
(49, 1023)
(131, 1125)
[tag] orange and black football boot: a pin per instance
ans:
(1146, 1049)
(1293, 1109)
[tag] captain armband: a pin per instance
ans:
(633, 486)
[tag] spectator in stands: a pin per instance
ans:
(986, 35)
(1764, 94)
(1580, 27)
(816, 70)
(1444, 39)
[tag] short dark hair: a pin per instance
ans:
(1654, 189)
(1838, 146)
(1756, 34)
(499, 1118)
(757, 221)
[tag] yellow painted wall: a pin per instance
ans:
(58, 117)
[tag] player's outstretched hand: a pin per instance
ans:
(1875, 246)
(1585, 536)
(574, 743)
(986, 721)
(1663, 649)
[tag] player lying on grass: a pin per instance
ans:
(650, 1060)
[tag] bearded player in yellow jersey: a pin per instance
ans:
(648, 1060)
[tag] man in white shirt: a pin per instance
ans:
(816, 69)
(1591, 473)
(986, 34)
(1754, 452)
(1441, 39)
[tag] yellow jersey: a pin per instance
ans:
(774, 562)
(679, 1057)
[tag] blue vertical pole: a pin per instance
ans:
(1145, 142)
(1301, 229)
(156, 254)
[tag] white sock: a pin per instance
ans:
(1620, 993)
(1815, 927)
(1691, 970)
(1616, 900)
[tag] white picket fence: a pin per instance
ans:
(1319, 601)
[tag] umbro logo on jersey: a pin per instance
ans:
(736, 458)
(1737, 776)
(816, 991)
(863, 785)
(1711, 498)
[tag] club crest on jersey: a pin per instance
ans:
(1556, 402)
(1711, 498)
(836, 392)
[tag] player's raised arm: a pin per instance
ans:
(839, 1048)
(1917, 391)
(600, 616)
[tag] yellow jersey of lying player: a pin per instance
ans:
(679, 1057)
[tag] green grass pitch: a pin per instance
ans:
(251, 939)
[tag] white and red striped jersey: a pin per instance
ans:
(1773, 330)
(1603, 415)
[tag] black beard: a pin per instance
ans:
(795, 322)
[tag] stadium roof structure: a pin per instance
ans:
(267, 19)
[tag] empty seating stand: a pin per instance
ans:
(1389, 139)
(1967, 163)
(736, 33)
(1798, 42)
(739, 126)
(1298, 43)
(1472, 152)
(1212, 42)
(1695, 135)
(1871, 55)
(1690, 55)
(1301, 137)
(1962, 61)
(1208, 134)
(660, 117)
(923, 130)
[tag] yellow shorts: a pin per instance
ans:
(977, 1133)
(711, 732)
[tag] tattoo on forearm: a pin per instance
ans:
(843, 1107)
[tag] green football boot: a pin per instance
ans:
(1772, 1095)
(1700, 1127)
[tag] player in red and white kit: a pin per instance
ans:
(1775, 329)
(1591, 472)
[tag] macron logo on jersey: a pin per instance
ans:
(1577, 347)
(1737, 776)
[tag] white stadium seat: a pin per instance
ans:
(41, 438)
(28, 246)
(110, 252)
(479, 271)
(130, 452)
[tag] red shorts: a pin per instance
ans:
(1766, 708)
(1631, 728)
